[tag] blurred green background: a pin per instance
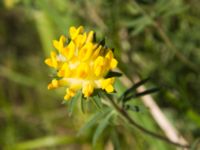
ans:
(157, 38)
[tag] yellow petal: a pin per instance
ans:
(62, 39)
(56, 44)
(62, 82)
(71, 48)
(59, 44)
(99, 66)
(80, 40)
(48, 62)
(54, 59)
(82, 70)
(74, 32)
(98, 71)
(96, 52)
(53, 84)
(106, 84)
(109, 88)
(109, 54)
(90, 37)
(64, 71)
(113, 63)
(86, 51)
(88, 89)
(69, 93)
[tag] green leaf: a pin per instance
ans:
(194, 116)
(73, 102)
(116, 140)
(134, 95)
(103, 124)
(195, 145)
(82, 104)
(138, 30)
(97, 101)
(93, 119)
(133, 88)
(42, 143)
(133, 10)
(142, 21)
(176, 11)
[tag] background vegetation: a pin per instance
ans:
(157, 38)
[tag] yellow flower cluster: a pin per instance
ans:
(81, 64)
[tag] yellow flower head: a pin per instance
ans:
(81, 63)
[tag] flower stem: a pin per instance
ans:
(124, 113)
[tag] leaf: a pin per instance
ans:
(195, 144)
(42, 143)
(150, 91)
(116, 140)
(139, 24)
(163, 6)
(72, 102)
(176, 11)
(82, 104)
(100, 128)
(133, 10)
(138, 30)
(93, 119)
(169, 8)
(135, 95)
(129, 92)
(136, 85)
(142, 21)
(96, 99)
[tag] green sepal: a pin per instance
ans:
(102, 42)
(113, 74)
